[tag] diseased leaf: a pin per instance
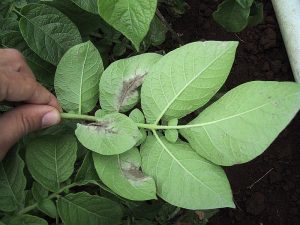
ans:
(183, 178)
(50, 160)
(170, 134)
(121, 173)
(113, 134)
(43, 71)
(232, 16)
(186, 79)
(132, 18)
(83, 208)
(126, 76)
(12, 182)
(90, 5)
(27, 220)
(244, 122)
(77, 78)
(47, 31)
(87, 170)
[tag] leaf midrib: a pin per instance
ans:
(81, 80)
(86, 210)
(190, 82)
(182, 166)
(233, 116)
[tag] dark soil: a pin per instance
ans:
(266, 190)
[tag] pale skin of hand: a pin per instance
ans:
(40, 108)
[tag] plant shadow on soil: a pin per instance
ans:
(275, 199)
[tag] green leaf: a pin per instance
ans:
(126, 76)
(77, 78)
(245, 3)
(47, 31)
(138, 117)
(27, 220)
(186, 79)
(7, 25)
(132, 18)
(113, 134)
(85, 21)
(87, 170)
(40, 194)
(170, 134)
(1, 223)
(43, 71)
(50, 160)
(83, 208)
(90, 5)
(256, 14)
(121, 173)
(183, 178)
(244, 122)
(157, 33)
(12, 182)
(100, 113)
(232, 16)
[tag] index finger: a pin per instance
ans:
(16, 87)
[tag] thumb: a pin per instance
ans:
(22, 120)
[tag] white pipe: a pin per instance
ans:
(288, 17)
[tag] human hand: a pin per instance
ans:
(18, 84)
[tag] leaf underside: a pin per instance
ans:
(244, 122)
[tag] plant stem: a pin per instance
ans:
(78, 117)
(53, 195)
(72, 116)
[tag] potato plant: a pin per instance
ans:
(127, 134)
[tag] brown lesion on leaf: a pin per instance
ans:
(104, 127)
(132, 172)
(130, 87)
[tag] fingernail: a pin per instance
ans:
(51, 118)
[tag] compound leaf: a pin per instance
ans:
(132, 18)
(113, 134)
(244, 122)
(50, 160)
(12, 182)
(47, 31)
(83, 208)
(186, 79)
(183, 178)
(90, 5)
(121, 173)
(77, 78)
(126, 76)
